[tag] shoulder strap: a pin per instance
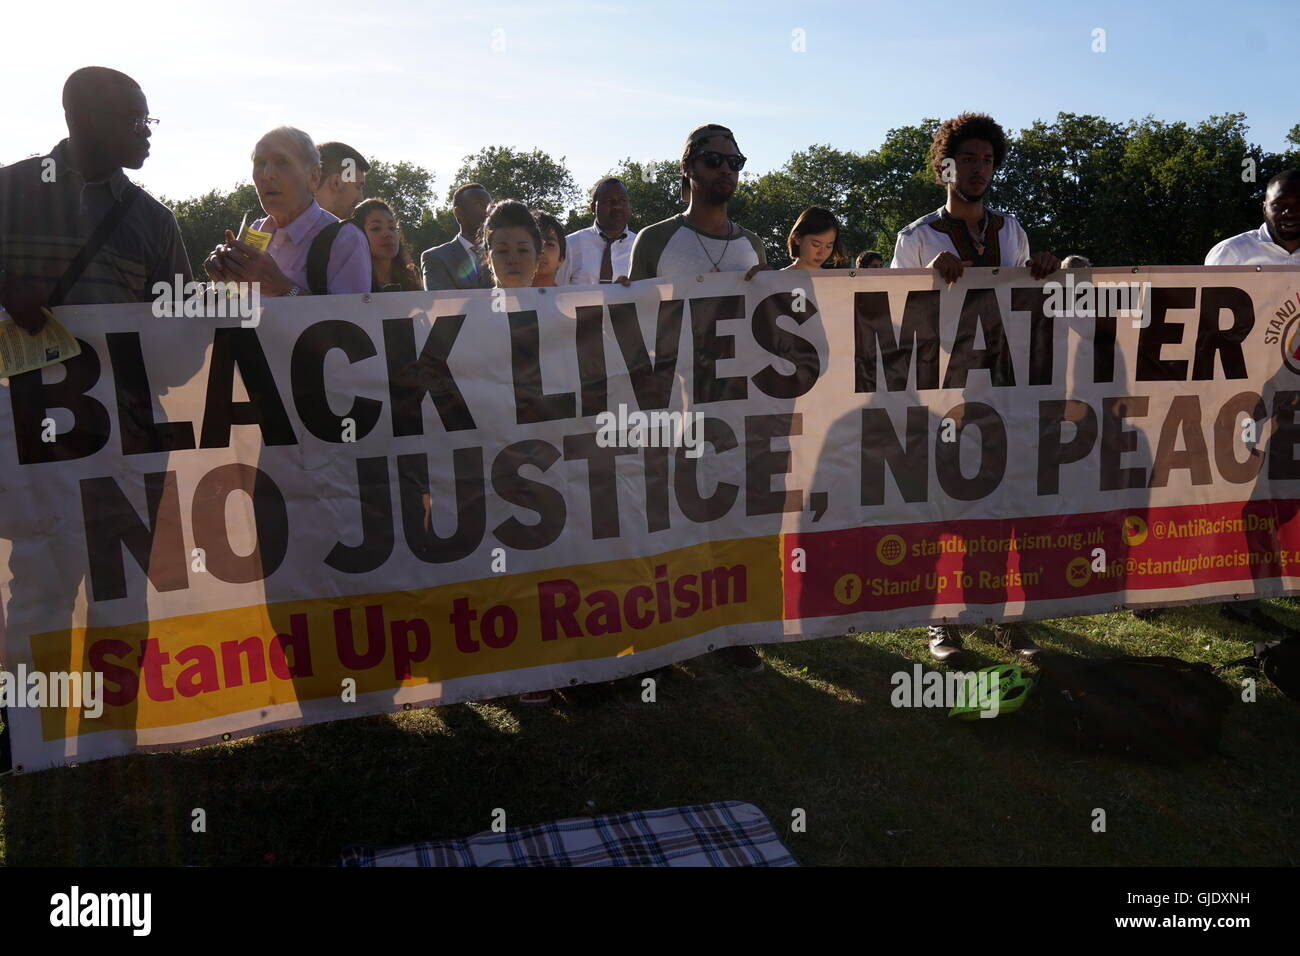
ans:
(318, 258)
(86, 253)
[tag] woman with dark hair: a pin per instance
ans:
(512, 243)
(391, 265)
(554, 249)
(815, 239)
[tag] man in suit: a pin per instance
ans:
(460, 264)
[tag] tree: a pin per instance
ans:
(533, 178)
(1178, 190)
(818, 176)
(204, 219)
(897, 185)
(653, 190)
(408, 189)
(1058, 181)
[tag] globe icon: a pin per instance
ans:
(891, 549)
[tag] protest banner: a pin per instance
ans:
(357, 504)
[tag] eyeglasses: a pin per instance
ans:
(141, 124)
(713, 160)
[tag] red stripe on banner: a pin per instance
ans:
(995, 561)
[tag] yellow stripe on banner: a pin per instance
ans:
(182, 669)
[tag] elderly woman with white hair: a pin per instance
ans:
(310, 251)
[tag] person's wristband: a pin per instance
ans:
(294, 290)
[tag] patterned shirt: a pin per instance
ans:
(1005, 242)
(48, 211)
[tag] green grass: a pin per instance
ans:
(815, 731)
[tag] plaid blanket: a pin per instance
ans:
(727, 833)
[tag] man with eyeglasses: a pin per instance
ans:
(75, 231)
(73, 228)
(702, 239)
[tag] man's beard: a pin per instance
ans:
(716, 197)
(1286, 235)
(965, 197)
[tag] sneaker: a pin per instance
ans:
(944, 641)
(1146, 613)
(1012, 637)
(535, 698)
(743, 658)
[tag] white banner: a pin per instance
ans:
(362, 503)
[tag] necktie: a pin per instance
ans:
(606, 263)
(606, 260)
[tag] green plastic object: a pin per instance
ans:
(1005, 688)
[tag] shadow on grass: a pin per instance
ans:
(816, 732)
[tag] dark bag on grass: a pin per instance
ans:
(1160, 708)
(1280, 662)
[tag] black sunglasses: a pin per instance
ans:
(713, 160)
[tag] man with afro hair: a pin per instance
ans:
(966, 152)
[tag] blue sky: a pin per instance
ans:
(429, 82)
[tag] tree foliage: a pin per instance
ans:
(533, 178)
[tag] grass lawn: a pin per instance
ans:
(815, 731)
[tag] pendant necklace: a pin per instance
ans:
(705, 249)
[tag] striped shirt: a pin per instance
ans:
(48, 211)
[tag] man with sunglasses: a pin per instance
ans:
(702, 239)
(73, 228)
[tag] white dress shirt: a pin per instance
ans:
(1254, 248)
(469, 247)
(584, 250)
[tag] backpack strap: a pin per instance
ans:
(318, 257)
(1250, 660)
(86, 253)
